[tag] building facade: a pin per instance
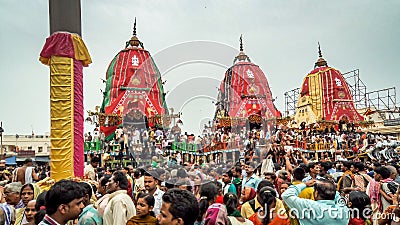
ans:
(19, 147)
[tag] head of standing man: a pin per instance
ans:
(151, 180)
(179, 207)
(64, 202)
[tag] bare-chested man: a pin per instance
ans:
(26, 173)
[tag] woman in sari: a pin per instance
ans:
(247, 194)
(28, 192)
(144, 211)
(208, 193)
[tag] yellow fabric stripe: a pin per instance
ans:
(80, 50)
(315, 94)
(62, 121)
(321, 97)
(72, 121)
(45, 61)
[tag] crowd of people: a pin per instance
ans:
(344, 192)
(336, 142)
(272, 181)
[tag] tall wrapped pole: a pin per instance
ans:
(66, 54)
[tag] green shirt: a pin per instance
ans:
(236, 180)
(154, 164)
(90, 216)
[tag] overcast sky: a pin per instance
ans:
(193, 43)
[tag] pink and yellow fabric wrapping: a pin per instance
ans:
(66, 54)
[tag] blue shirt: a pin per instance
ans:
(315, 212)
(310, 178)
(251, 182)
(90, 216)
(331, 170)
(397, 179)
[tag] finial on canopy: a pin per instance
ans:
(319, 50)
(134, 41)
(241, 43)
(242, 56)
(134, 28)
(321, 61)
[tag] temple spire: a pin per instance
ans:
(241, 43)
(319, 49)
(242, 56)
(134, 41)
(321, 61)
(134, 28)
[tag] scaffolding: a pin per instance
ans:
(291, 98)
(357, 88)
(384, 102)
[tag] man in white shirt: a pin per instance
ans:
(119, 131)
(150, 183)
(120, 206)
(136, 136)
(89, 170)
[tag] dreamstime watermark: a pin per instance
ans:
(339, 211)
